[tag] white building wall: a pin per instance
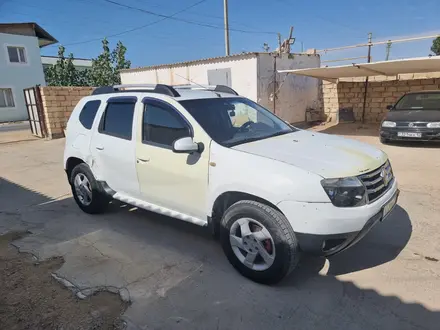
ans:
(243, 74)
(19, 76)
(295, 94)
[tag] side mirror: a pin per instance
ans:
(390, 107)
(186, 145)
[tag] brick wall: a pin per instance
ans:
(382, 91)
(58, 104)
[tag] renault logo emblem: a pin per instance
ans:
(385, 177)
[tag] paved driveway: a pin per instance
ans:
(176, 276)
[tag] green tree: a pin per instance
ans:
(436, 46)
(106, 67)
(64, 73)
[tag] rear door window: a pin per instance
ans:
(88, 113)
(117, 119)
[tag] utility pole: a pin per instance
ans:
(366, 79)
(279, 43)
(225, 8)
(388, 50)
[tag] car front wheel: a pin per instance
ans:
(259, 241)
(86, 191)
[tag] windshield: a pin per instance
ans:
(233, 121)
(422, 101)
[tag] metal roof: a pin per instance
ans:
(219, 58)
(383, 68)
(44, 38)
(200, 61)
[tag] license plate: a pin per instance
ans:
(409, 134)
(389, 206)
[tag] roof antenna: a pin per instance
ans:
(204, 87)
(190, 80)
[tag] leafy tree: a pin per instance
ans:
(436, 46)
(104, 71)
(106, 67)
(64, 73)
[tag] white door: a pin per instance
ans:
(172, 180)
(114, 148)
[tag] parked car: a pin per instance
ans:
(415, 117)
(213, 158)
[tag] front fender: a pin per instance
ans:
(237, 171)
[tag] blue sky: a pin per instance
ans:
(318, 24)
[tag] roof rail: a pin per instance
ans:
(214, 88)
(153, 88)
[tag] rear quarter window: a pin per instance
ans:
(88, 113)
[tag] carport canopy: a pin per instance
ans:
(383, 68)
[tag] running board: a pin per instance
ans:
(159, 209)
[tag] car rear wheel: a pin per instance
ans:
(86, 191)
(259, 241)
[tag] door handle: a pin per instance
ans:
(142, 160)
(99, 148)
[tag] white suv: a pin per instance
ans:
(211, 157)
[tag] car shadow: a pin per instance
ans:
(415, 144)
(215, 296)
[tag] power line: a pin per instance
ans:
(183, 20)
(136, 28)
(163, 18)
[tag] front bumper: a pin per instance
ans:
(427, 134)
(323, 229)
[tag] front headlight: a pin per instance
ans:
(345, 192)
(387, 123)
(433, 125)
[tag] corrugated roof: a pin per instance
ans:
(248, 54)
(210, 59)
(382, 68)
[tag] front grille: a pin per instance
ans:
(378, 181)
(411, 124)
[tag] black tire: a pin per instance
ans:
(383, 140)
(287, 250)
(100, 200)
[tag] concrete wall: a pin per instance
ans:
(58, 104)
(19, 76)
(295, 94)
(382, 91)
(243, 74)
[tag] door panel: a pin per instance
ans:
(172, 180)
(113, 148)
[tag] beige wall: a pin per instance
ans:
(58, 104)
(382, 91)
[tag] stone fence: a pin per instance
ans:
(58, 104)
(382, 91)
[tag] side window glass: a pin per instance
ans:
(88, 113)
(162, 125)
(118, 120)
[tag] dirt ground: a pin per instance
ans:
(30, 298)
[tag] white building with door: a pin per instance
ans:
(253, 75)
(20, 66)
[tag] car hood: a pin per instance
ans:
(327, 155)
(413, 115)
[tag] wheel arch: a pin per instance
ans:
(227, 199)
(70, 165)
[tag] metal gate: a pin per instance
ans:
(34, 108)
